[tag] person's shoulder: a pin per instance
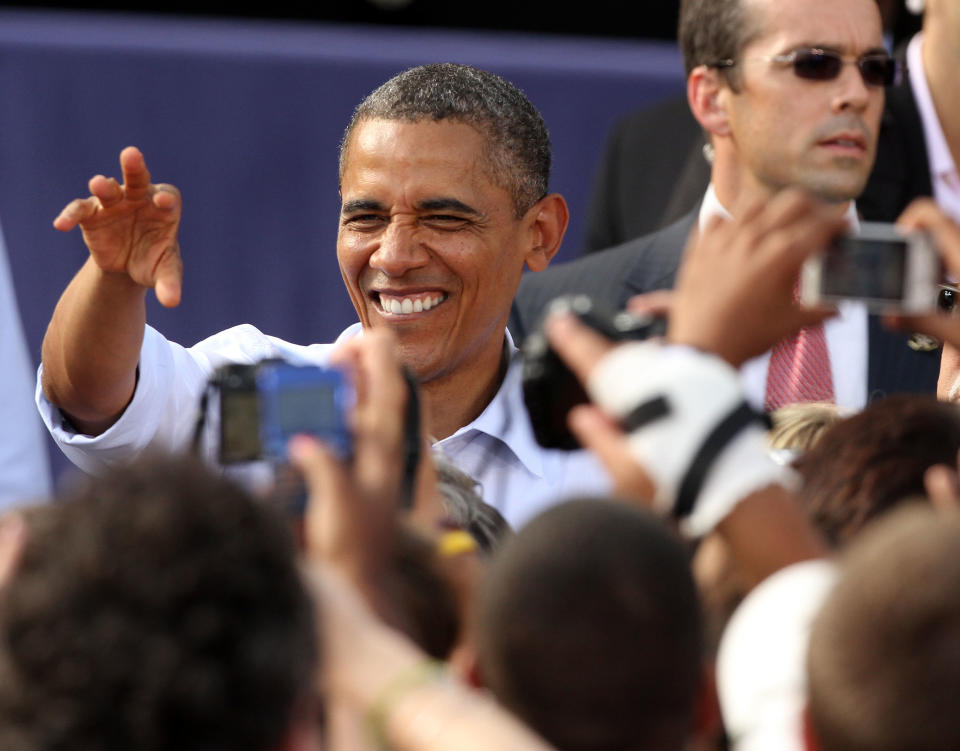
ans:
(614, 264)
(245, 343)
(611, 275)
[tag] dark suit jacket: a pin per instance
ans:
(651, 174)
(648, 263)
(902, 170)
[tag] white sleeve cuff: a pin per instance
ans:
(159, 415)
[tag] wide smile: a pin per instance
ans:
(395, 304)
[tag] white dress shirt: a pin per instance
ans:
(846, 335)
(518, 477)
(943, 172)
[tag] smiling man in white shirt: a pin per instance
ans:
(443, 178)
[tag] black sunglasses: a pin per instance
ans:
(876, 68)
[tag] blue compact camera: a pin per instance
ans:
(263, 406)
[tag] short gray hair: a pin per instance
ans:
(518, 145)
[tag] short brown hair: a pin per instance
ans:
(884, 661)
(714, 30)
(589, 629)
(158, 608)
(872, 461)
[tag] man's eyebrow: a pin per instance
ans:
(361, 204)
(835, 48)
(446, 204)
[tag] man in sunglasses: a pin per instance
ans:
(788, 94)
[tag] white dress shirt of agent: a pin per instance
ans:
(439, 215)
(771, 125)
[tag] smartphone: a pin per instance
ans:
(882, 266)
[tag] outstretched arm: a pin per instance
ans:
(92, 344)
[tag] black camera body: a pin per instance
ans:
(550, 389)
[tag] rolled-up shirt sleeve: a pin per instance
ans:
(164, 409)
(161, 414)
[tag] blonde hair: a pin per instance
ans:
(797, 427)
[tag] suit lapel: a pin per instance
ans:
(656, 267)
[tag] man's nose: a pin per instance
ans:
(853, 93)
(399, 250)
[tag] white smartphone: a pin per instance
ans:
(881, 266)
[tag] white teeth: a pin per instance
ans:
(406, 305)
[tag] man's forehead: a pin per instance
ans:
(425, 163)
(848, 26)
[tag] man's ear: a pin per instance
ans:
(548, 220)
(707, 94)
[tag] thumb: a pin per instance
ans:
(603, 437)
(168, 280)
(326, 483)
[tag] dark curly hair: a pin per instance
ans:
(518, 145)
(159, 608)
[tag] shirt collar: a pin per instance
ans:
(941, 160)
(712, 207)
(506, 418)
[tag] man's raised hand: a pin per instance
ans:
(131, 228)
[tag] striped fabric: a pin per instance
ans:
(800, 370)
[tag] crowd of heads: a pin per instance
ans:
(161, 607)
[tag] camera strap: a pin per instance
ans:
(412, 440)
(706, 450)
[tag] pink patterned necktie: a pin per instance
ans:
(800, 370)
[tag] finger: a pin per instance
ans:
(379, 361)
(76, 211)
(943, 327)
(169, 279)
(786, 247)
(942, 487)
(379, 417)
(656, 303)
(603, 437)
(326, 481)
(804, 317)
(578, 346)
(924, 214)
(921, 213)
(107, 189)
(136, 176)
(166, 197)
(13, 538)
